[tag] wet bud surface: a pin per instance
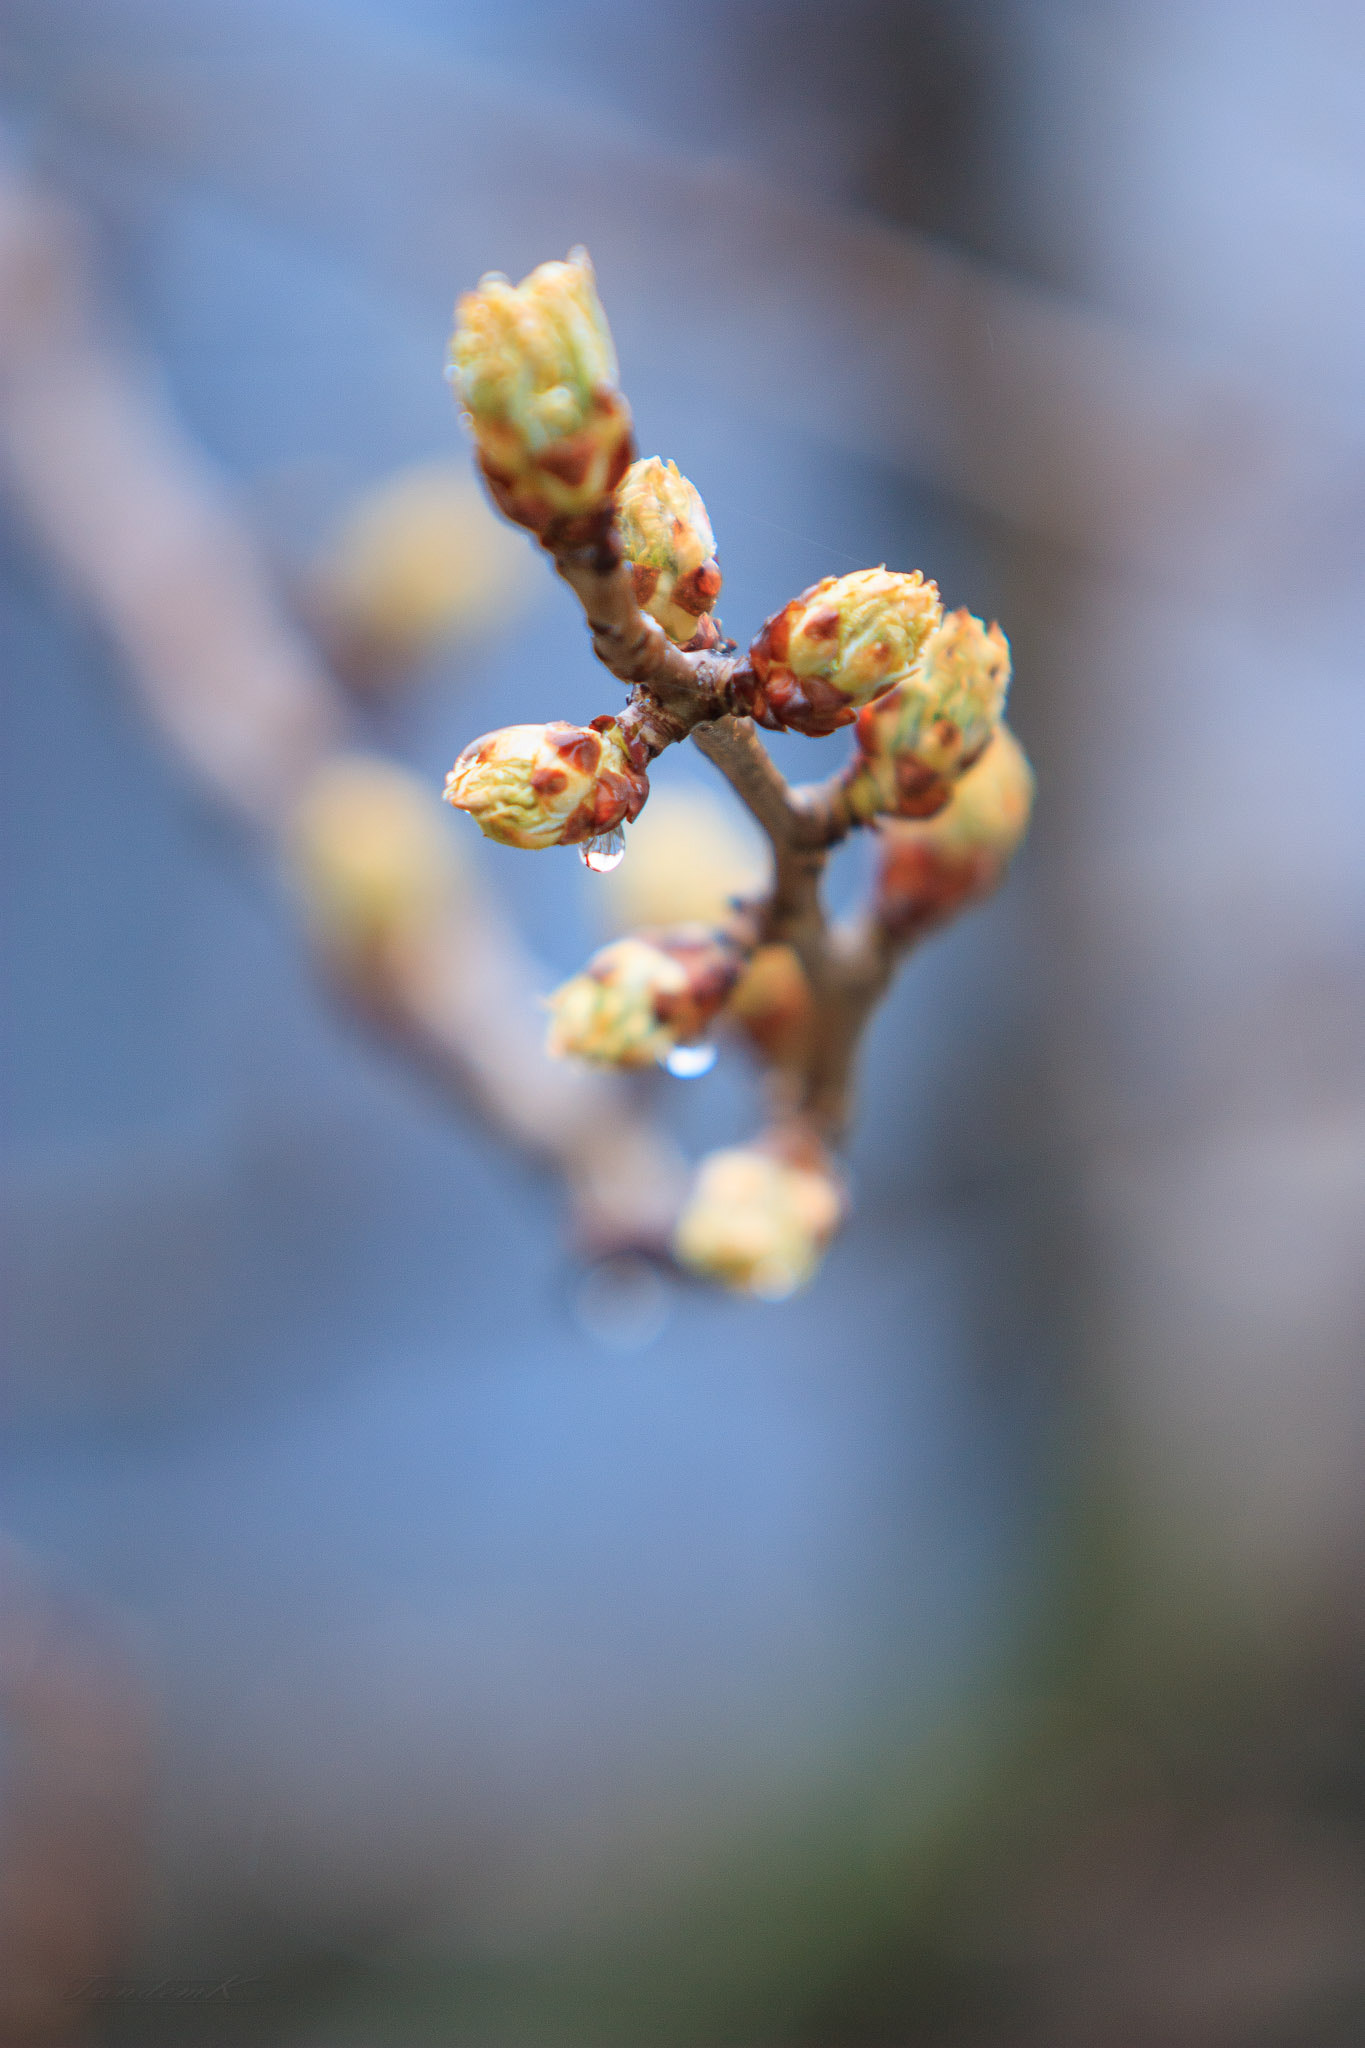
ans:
(535, 786)
(838, 645)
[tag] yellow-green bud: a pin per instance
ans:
(772, 1006)
(840, 644)
(641, 996)
(418, 558)
(756, 1223)
(549, 785)
(607, 1014)
(916, 741)
(991, 803)
(370, 856)
(929, 869)
(666, 537)
(535, 367)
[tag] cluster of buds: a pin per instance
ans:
(666, 537)
(372, 861)
(838, 645)
(914, 742)
(930, 869)
(641, 997)
(758, 1222)
(535, 786)
(536, 370)
(943, 782)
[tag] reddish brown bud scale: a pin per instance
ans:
(805, 704)
(696, 592)
(705, 638)
(772, 1006)
(712, 962)
(551, 785)
(920, 793)
(582, 750)
(641, 997)
(666, 537)
(569, 460)
(920, 884)
(838, 645)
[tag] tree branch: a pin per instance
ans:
(130, 511)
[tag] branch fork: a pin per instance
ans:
(926, 694)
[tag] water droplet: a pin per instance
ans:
(623, 1303)
(690, 1062)
(451, 372)
(605, 852)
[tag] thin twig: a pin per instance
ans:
(849, 968)
(79, 1730)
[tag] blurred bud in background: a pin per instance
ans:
(928, 869)
(692, 853)
(771, 1006)
(372, 859)
(758, 1223)
(640, 997)
(609, 1014)
(418, 560)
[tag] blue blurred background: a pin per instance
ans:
(968, 1650)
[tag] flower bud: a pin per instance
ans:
(756, 1222)
(929, 869)
(691, 856)
(371, 858)
(666, 537)
(418, 558)
(840, 644)
(772, 1006)
(550, 785)
(535, 367)
(916, 741)
(640, 997)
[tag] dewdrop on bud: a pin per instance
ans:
(691, 856)
(917, 741)
(840, 644)
(536, 371)
(550, 785)
(929, 869)
(371, 858)
(642, 998)
(666, 537)
(757, 1223)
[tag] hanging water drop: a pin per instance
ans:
(690, 1062)
(605, 852)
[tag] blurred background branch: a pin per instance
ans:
(134, 518)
